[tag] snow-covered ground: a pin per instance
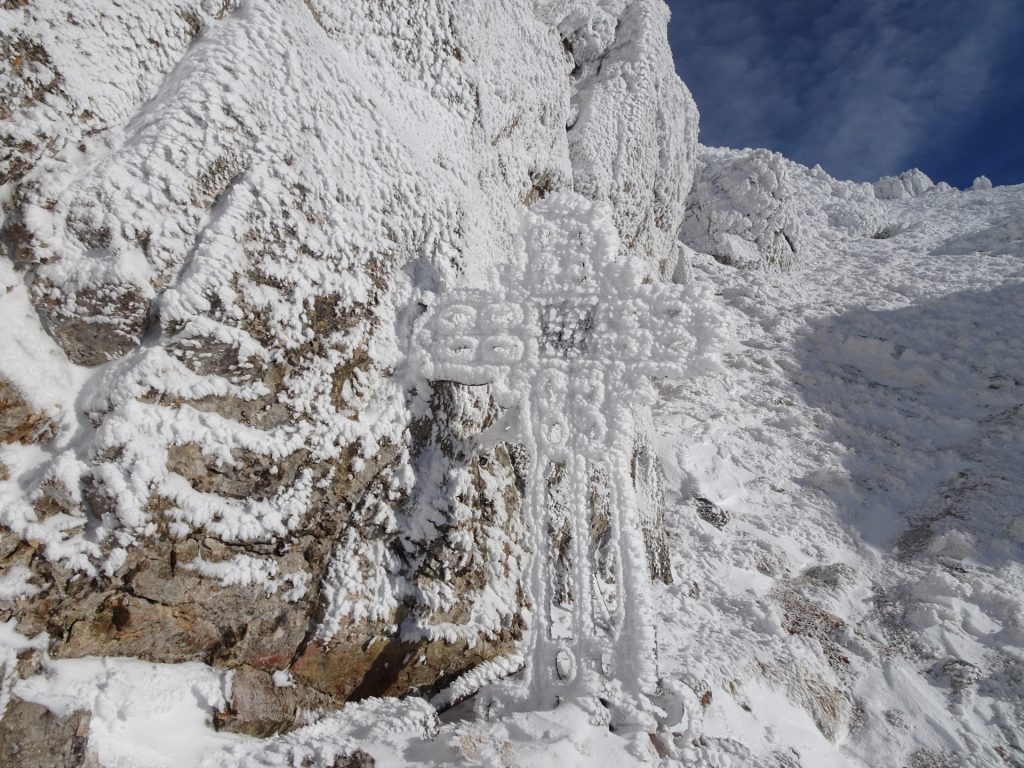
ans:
(862, 451)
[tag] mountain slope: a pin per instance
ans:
(326, 435)
(863, 441)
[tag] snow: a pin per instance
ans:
(141, 712)
(16, 582)
(868, 415)
(11, 645)
(246, 571)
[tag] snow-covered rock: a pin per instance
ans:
(910, 183)
(632, 126)
(755, 208)
(981, 183)
(740, 209)
(222, 219)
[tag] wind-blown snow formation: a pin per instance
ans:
(328, 332)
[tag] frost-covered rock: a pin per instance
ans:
(912, 183)
(632, 125)
(755, 208)
(220, 218)
(981, 183)
(740, 209)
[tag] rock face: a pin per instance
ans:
(32, 737)
(20, 422)
(223, 214)
(632, 129)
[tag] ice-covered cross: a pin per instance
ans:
(569, 339)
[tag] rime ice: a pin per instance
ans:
(570, 339)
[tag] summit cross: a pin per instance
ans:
(569, 340)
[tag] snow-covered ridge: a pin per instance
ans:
(753, 208)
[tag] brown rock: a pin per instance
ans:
(33, 737)
(711, 513)
(260, 708)
(361, 666)
(19, 421)
(95, 325)
(357, 759)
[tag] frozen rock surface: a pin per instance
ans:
(740, 209)
(751, 208)
(912, 183)
(327, 428)
(220, 223)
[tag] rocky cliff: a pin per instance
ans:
(220, 220)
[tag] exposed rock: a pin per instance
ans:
(33, 737)
(828, 705)
(926, 758)
(21, 422)
(837, 576)
(259, 707)
(357, 759)
(958, 674)
(359, 666)
(711, 513)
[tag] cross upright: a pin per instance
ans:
(569, 340)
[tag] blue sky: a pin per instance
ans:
(864, 87)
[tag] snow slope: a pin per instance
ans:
(865, 443)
